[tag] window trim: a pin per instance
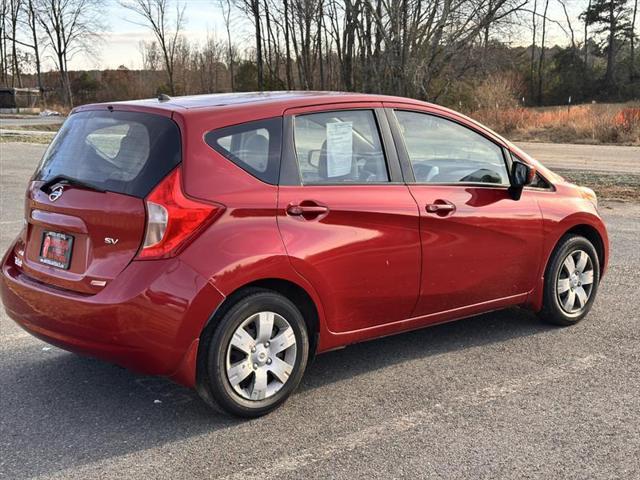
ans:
(290, 170)
(405, 160)
(272, 173)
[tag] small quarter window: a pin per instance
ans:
(254, 146)
(339, 147)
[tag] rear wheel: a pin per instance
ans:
(571, 281)
(257, 354)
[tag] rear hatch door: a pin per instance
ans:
(85, 209)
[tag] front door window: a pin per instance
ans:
(442, 151)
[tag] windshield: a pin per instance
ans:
(123, 152)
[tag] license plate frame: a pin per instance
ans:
(56, 249)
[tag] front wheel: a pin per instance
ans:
(257, 354)
(571, 281)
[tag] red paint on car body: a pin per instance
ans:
(373, 259)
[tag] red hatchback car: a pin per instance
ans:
(223, 240)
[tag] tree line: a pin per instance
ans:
(445, 51)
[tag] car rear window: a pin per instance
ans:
(123, 152)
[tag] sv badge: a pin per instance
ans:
(111, 241)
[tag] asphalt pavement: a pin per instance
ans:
(495, 396)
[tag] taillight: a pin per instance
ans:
(173, 219)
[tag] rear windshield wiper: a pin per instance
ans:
(65, 180)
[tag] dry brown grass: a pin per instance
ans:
(43, 127)
(596, 123)
(41, 139)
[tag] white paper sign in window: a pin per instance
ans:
(339, 148)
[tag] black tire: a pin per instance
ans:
(214, 385)
(553, 309)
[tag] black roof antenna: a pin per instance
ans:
(163, 97)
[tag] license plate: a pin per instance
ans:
(56, 249)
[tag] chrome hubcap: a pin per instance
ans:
(575, 282)
(261, 356)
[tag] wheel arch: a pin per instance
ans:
(591, 234)
(300, 297)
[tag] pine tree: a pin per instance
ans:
(611, 17)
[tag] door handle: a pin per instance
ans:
(441, 207)
(306, 209)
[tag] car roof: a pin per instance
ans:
(287, 98)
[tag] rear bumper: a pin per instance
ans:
(148, 319)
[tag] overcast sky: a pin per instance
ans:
(120, 45)
(121, 42)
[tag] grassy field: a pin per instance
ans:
(592, 123)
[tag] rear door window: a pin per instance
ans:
(122, 152)
(341, 146)
(253, 146)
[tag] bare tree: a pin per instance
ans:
(586, 37)
(253, 7)
(207, 62)
(304, 38)
(225, 6)
(541, 58)
(569, 25)
(166, 30)
(287, 45)
(4, 13)
(25, 13)
(15, 11)
(151, 55)
(533, 47)
(71, 27)
(32, 25)
(633, 41)
(185, 57)
(435, 50)
(28, 15)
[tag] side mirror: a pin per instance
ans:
(522, 175)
